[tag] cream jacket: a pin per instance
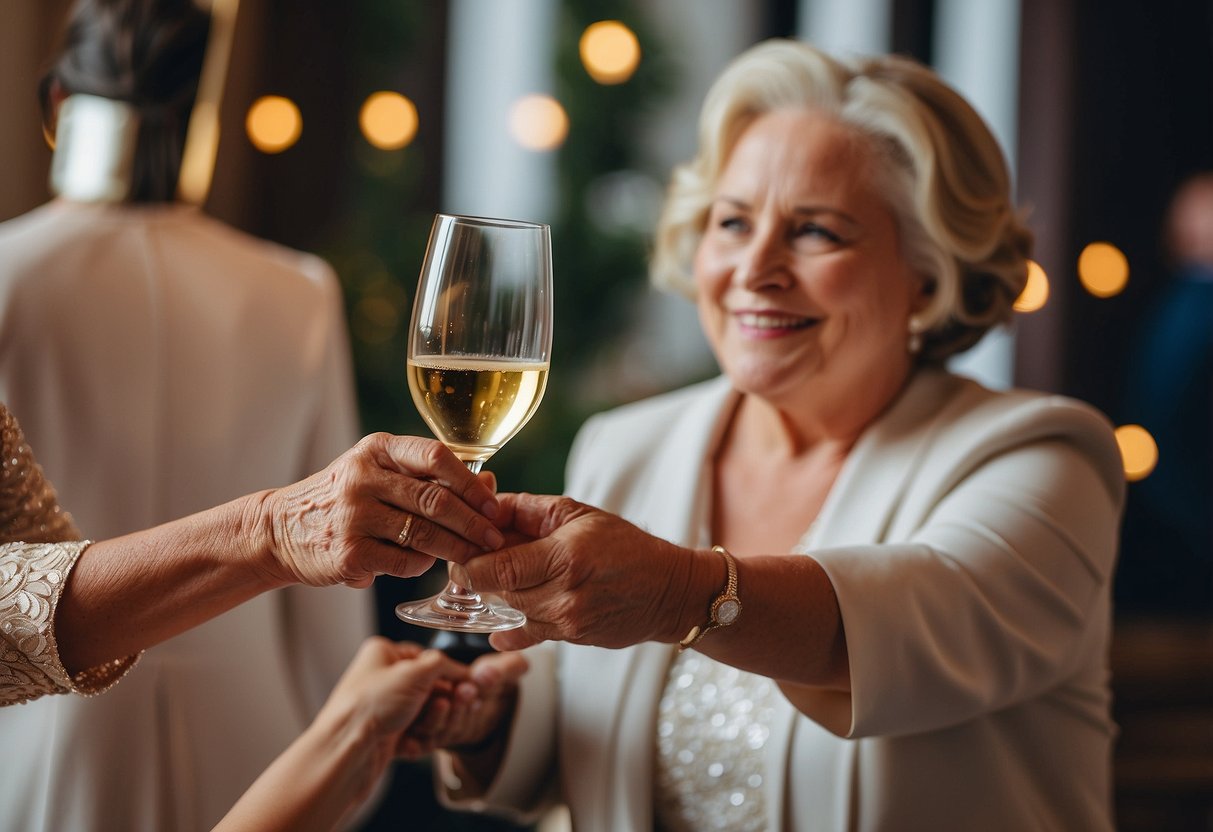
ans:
(970, 537)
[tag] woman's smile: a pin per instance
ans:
(768, 324)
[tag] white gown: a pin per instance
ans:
(161, 362)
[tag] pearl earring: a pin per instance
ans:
(916, 327)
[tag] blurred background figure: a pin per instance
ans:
(1170, 393)
(163, 362)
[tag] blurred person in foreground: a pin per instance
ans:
(162, 362)
(838, 587)
(75, 614)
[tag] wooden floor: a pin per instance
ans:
(1162, 678)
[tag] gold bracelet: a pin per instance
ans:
(724, 611)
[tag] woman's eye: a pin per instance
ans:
(814, 231)
(735, 224)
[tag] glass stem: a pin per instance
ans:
(459, 595)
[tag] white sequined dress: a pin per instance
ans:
(713, 721)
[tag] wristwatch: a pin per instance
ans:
(724, 611)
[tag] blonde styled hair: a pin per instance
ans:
(938, 167)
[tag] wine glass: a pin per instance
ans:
(479, 350)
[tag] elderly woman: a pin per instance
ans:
(856, 592)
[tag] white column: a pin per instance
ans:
(499, 51)
(847, 27)
(977, 51)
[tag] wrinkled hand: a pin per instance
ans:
(342, 525)
(454, 720)
(582, 575)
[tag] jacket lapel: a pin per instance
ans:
(879, 469)
(620, 797)
(675, 511)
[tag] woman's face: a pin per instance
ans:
(802, 289)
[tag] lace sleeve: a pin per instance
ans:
(32, 576)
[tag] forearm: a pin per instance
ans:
(131, 592)
(312, 785)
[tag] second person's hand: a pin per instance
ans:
(587, 576)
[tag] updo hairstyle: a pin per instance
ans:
(148, 53)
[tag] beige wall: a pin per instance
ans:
(26, 38)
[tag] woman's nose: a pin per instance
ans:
(764, 263)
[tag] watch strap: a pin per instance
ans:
(725, 608)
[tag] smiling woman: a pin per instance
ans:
(849, 586)
(802, 288)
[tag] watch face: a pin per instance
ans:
(727, 612)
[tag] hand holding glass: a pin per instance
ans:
(479, 350)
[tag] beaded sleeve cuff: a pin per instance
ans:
(32, 577)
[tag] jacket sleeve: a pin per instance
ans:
(997, 591)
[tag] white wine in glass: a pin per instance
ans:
(479, 350)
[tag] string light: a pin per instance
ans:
(538, 122)
(1138, 451)
(273, 124)
(388, 120)
(1103, 269)
(610, 51)
(1035, 292)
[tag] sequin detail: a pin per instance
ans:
(29, 508)
(713, 722)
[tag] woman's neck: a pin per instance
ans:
(760, 429)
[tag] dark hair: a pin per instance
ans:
(149, 54)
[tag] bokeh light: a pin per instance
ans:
(1103, 269)
(1138, 450)
(610, 51)
(1035, 292)
(388, 120)
(273, 123)
(538, 122)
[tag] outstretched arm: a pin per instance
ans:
(339, 526)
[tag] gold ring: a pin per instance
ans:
(405, 532)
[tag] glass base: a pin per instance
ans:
(438, 613)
